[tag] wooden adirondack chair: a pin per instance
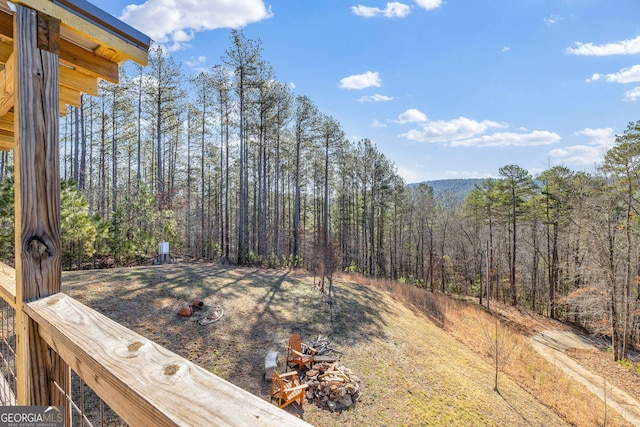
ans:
(286, 388)
(295, 355)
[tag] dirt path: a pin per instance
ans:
(552, 346)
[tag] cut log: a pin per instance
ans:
(325, 358)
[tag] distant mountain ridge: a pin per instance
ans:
(459, 188)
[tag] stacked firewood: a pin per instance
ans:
(321, 345)
(332, 387)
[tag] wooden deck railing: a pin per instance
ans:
(143, 382)
(7, 336)
(8, 284)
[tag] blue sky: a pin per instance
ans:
(444, 88)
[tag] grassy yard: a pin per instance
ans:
(416, 368)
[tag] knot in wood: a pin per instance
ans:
(170, 369)
(38, 248)
(135, 346)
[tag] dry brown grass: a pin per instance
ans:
(467, 322)
(419, 355)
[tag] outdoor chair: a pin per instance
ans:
(286, 388)
(295, 354)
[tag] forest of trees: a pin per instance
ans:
(230, 165)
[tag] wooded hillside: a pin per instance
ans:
(230, 164)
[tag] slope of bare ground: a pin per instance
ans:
(476, 327)
(412, 371)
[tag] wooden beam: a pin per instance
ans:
(7, 140)
(101, 18)
(8, 285)
(6, 25)
(69, 96)
(38, 244)
(143, 382)
(7, 85)
(6, 49)
(6, 145)
(81, 82)
(91, 31)
(36, 121)
(48, 33)
(110, 54)
(99, 64)
(88, 62)
(6, 122)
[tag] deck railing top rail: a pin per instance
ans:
(8, 284)
(145, 383)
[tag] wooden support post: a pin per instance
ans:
(37, 200)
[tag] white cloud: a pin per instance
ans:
(377, 124)
(624, 47)
(465, 132)
(392, 10)
(553, 19)
(173, 25)
(194, 62)
(453, 130)
(510, 139)
(396, 10)
(506, 49)
(594, 77)
(577, 155)
(375, 98)
(625, 75)
(633, 94)
(412, 115)
(361, 81)
(591, 153)
(602, 137)
(429, 4)
(181, 36)
(366, 11)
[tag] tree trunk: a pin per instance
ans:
(114, 155)
(83, 148)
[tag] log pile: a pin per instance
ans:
(322, 345)
(332, 387)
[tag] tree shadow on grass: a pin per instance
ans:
(262, 309)
(516, 410)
